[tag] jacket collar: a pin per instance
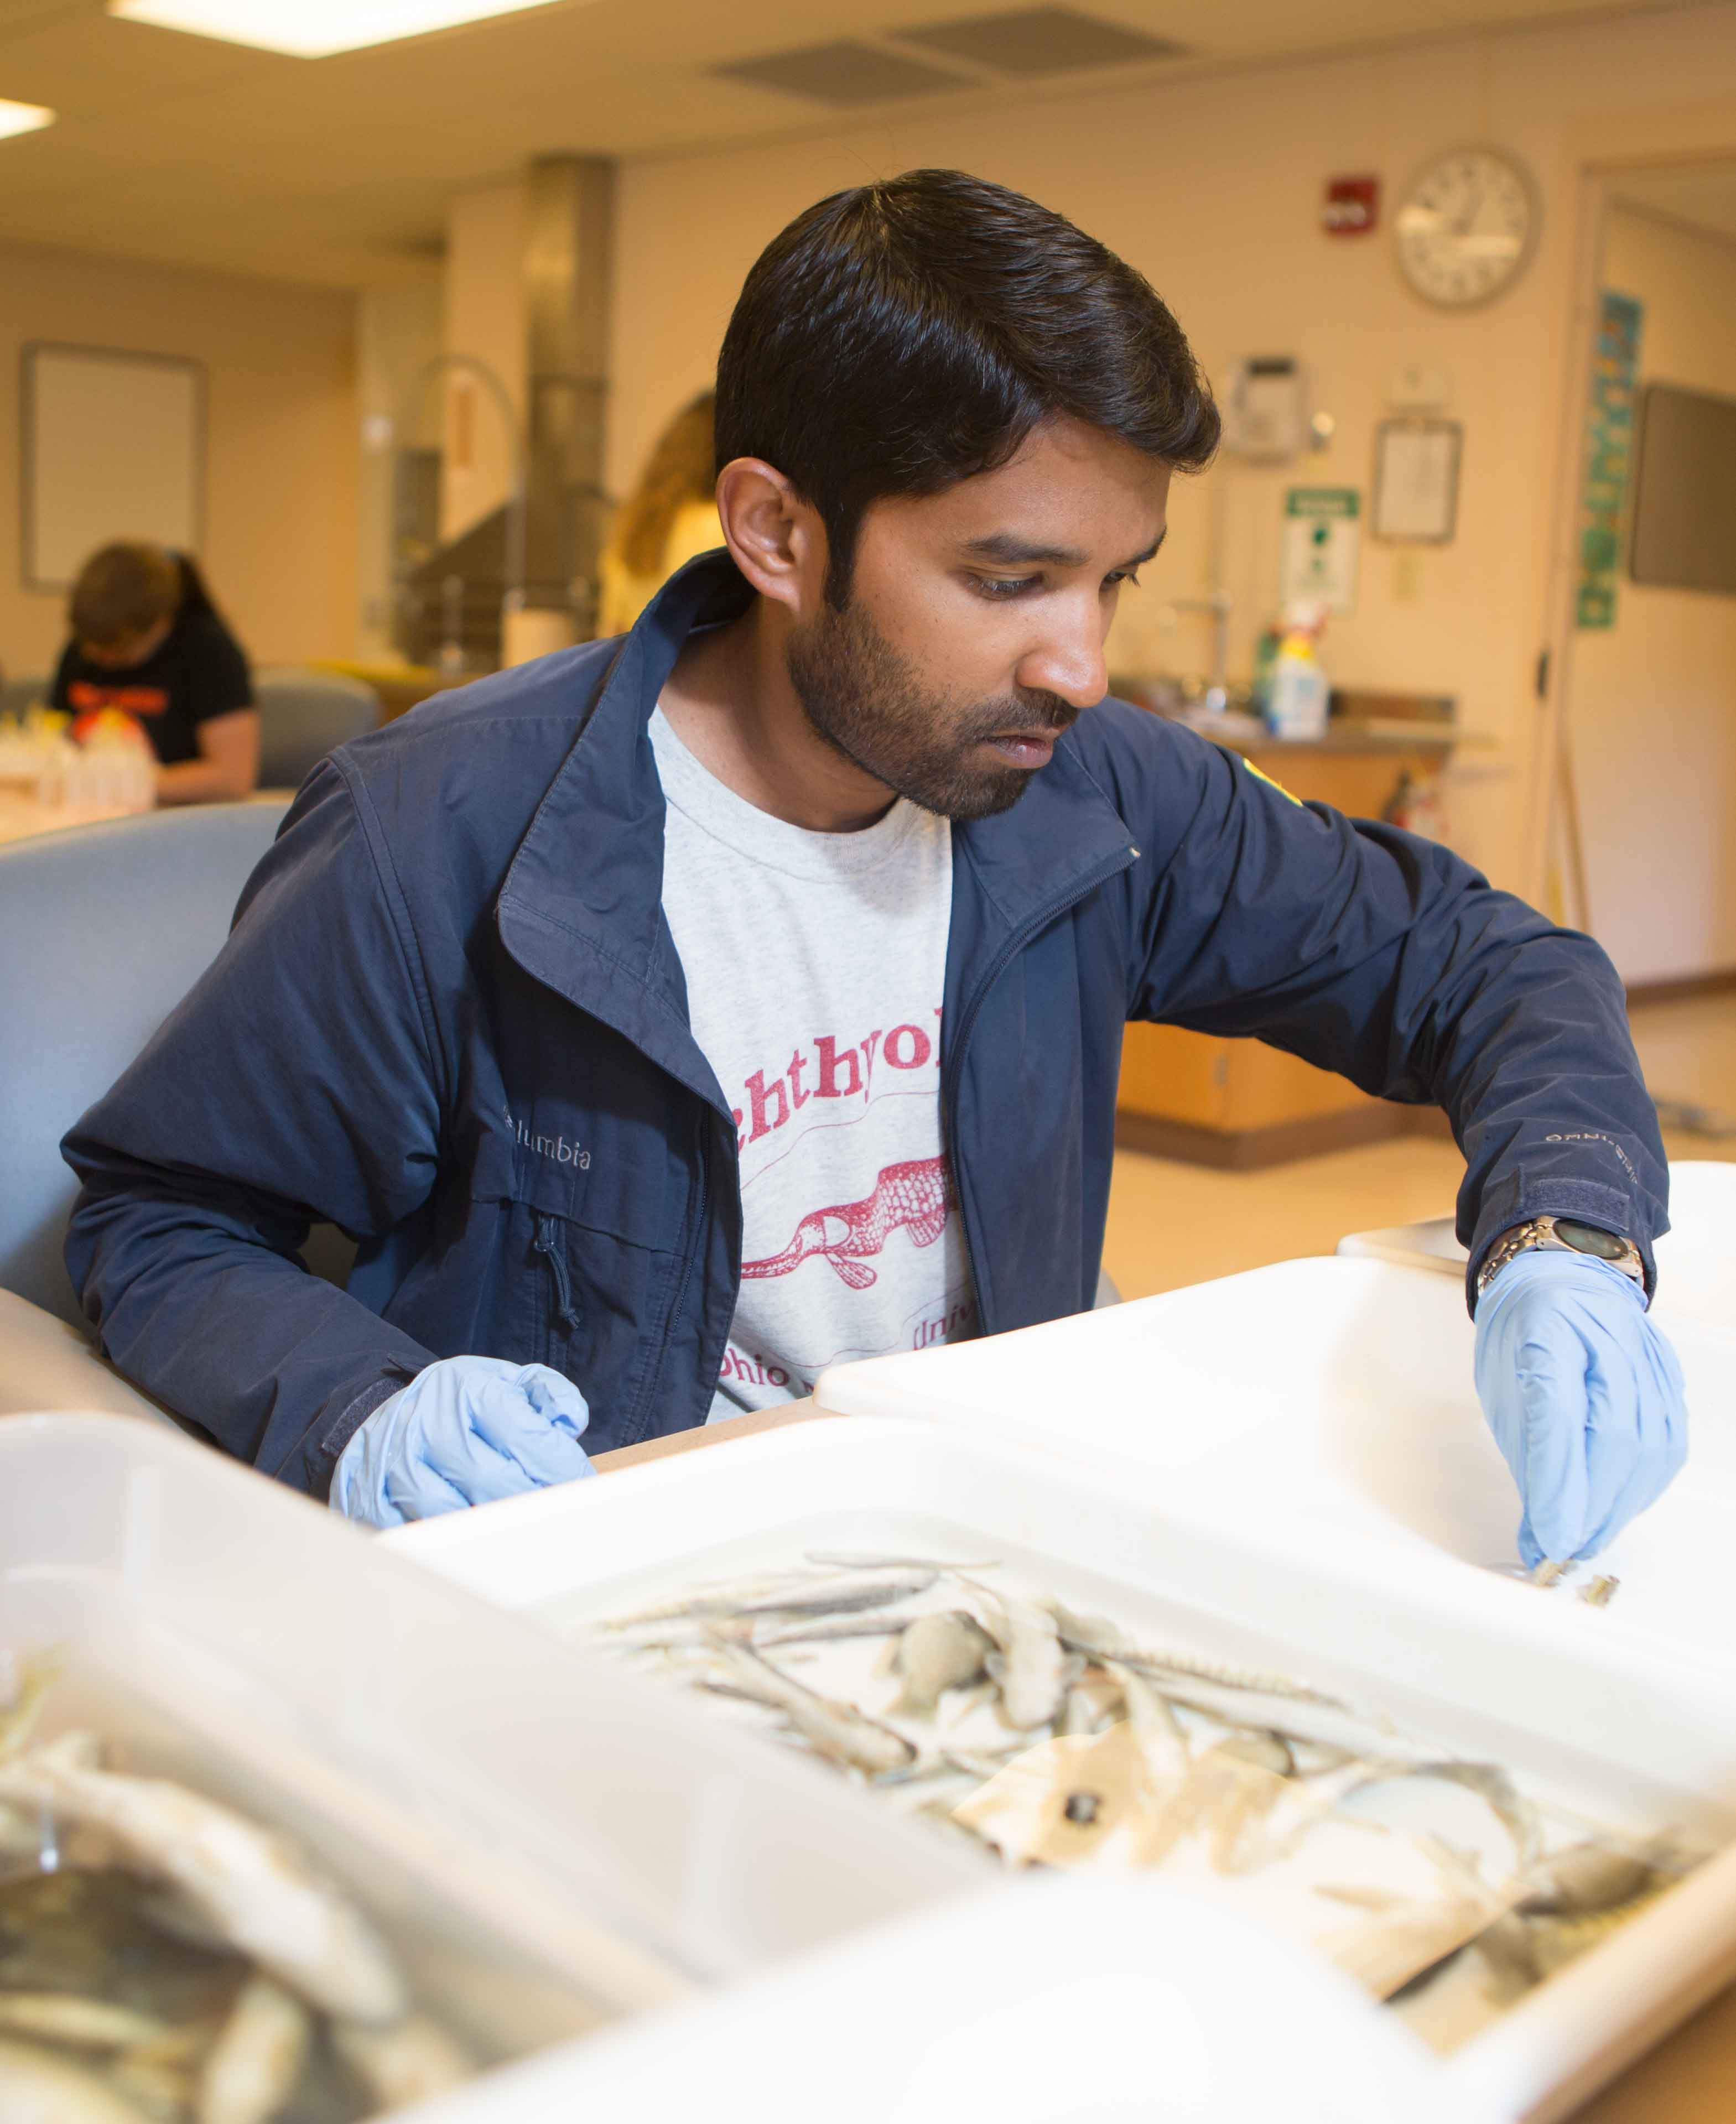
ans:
(582, 908)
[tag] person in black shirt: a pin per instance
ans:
(147, 640)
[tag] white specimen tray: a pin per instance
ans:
(551, 1843)
(1330, 1403)
(1057, 2002)
(1697, 1257)
(1575, 1697)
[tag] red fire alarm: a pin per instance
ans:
(1352, 206)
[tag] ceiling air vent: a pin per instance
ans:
(1040, 40)
(841, 74)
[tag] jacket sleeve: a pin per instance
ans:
(295, 1084)
(1371, 951)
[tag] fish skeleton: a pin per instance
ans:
(848, 1559)
(837, 1730)
(1296, 1717)
(1585, 1878)
(844, 1594)
(1497, 1790)
(846, 1626)
(1101, 1641)
(1156, 1728)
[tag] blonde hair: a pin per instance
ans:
(682, 468)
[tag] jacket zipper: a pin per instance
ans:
(1015, 943)
(547, 1243)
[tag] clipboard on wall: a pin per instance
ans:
(1416, 482)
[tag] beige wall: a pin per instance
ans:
(484, 318)
(1213, 188)
(280, 543)
(1652, 702)
(400, 404)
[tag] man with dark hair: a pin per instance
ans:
(678, 1015)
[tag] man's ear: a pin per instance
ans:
(775, 538)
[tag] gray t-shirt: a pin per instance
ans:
(815, 968)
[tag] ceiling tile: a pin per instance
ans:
(1034, 42)
(841, 74)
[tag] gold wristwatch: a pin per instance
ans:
(1559, 1235)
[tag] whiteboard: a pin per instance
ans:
(113, 448)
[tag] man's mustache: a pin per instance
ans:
(1030, 709)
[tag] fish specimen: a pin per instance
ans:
(1585, 1878)
(938, 1653)
(252, 1887)
(1100, 1640)
(85, 2023)
(403, 2064)
(166, 1960)
(1125, 1755)
(835, 1594)
(1034, 1668)
(251, 2069)
(38, 2086)
(837, 1730)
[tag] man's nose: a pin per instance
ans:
(1068, 661)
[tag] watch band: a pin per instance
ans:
(1566, 1235)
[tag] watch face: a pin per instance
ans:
(1466, 228)
(1587, 1239)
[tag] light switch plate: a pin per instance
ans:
(1415, 388)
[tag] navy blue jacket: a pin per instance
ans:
(451, 1020)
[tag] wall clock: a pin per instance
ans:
(1465, 227)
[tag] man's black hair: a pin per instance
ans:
(902, 337)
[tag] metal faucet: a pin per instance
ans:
(1219, 604)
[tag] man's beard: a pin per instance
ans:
(865, 700)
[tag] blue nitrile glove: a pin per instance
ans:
(1584, 1397)
(464, 1431)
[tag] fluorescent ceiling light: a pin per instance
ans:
(23, 118)
(311, 28)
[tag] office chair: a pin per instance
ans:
(303, 715)
(102, 930)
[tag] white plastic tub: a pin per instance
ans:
(1586, 1707)
(1697, 1257)
(1333, 1395)
(1058, 2002)
(550, 1844)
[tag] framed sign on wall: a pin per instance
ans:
(1416, 482)
(112, 447)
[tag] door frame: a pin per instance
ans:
(1595, 153)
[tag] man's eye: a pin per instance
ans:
(1117, 576)
(997, 588)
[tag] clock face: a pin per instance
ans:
(1466, 228)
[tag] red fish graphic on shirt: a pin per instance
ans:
(914, 1197)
